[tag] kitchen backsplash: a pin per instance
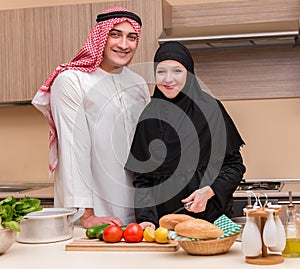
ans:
(24, 144)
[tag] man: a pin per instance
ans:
(92, 104)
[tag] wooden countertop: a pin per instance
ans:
(54, 255)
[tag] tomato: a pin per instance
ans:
(133, 233)
(112, 234)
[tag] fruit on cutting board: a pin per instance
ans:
(133, 233)
(149, 234)
(161, 235)
(112, 234)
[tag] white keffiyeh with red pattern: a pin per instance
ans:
(88, 59)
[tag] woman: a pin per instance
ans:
(186, 147)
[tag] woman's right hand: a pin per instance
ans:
(199, 198)
(89, 219)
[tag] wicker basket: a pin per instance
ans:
(208, 247)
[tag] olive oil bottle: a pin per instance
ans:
(292, 247)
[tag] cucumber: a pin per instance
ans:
(92, 231)
(99, 234)
(123, 227)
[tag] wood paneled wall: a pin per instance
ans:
(231, 12)
(256, 73)
(12, 53)
(34, 41)
(241, 73)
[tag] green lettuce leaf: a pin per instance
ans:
(13, 211)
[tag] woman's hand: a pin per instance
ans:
(147, 224)
(199, 198)
(89, 219)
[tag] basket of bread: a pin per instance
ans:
(200, 237)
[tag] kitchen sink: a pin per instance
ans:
(13, 189)
(17, 187)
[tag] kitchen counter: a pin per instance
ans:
(53, 255)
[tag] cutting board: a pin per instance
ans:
(85, 244)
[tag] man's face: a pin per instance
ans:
(120, 47)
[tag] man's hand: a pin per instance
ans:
(89, 219)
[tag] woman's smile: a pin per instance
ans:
(170, 87)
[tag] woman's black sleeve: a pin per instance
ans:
(231, 174)
(144, 200)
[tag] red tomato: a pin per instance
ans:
(112, 234)
(133, 233)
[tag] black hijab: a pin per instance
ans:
(184, 136)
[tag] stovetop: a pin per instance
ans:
(278, 188)
(264, 186)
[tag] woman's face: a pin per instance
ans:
(170, 77)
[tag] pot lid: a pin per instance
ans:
(50, 213)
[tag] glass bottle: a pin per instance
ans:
(292, 248)
(251, 237)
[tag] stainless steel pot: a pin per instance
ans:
(48, 225)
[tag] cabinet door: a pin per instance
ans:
(34, 41)
(12, 54)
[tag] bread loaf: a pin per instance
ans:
(171, 220)
(198, 228)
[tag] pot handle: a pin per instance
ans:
(76, 215)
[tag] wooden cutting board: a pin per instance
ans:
(85, 244)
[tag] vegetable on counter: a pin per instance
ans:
(133, 233)
(12, 211)
(112, 234)
(123, 227)
(94, 231)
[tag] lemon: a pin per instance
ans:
(161, 235)
(149, 234)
